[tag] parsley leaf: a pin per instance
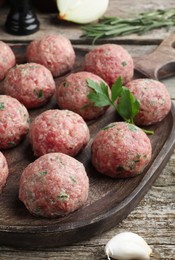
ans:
(126, 106)
(99, 100)
(100, 95)
(116, 89)
(94, 85)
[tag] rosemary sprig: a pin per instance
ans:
(116, 26)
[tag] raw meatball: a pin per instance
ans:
(72, 95)
(55, 52)
(4, 171)
(14, 122)
(58, 131)
(155, 102)
(32, 84)
(54, 185)
(109, 61)
(121, 150)
(7, 59)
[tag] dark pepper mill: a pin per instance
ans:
(21, 20)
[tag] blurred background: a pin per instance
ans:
(45, 6)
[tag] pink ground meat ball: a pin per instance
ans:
(109, 61)
(72, 94)
(4, 172)
(55, 52)
(32, 84)
(58, 131)
(121, 150)
(54, 185)
(7, 59)
(14, 122)
(155, 101)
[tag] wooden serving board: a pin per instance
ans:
(110, 200)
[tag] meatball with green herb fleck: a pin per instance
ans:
(54, 185)
(72, 94)
(54, 51)
(32, 84)
(109, 61)
(7, 59)
(58, 131)
(14, 122)
(154, 99)
(4, 171)
(121, 150)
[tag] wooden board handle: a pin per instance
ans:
(160, 63)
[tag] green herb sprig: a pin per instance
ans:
(39, 93)
(126, 106)
(2, 106)
(116, 26)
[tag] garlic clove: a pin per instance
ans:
(128, 245)
(81, 11)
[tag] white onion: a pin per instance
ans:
(82, 11)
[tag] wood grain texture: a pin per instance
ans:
(50, 23)
(154, 217)
(160, 63)
(152, 214)
(109, 200)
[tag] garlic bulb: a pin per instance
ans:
(81, 11)
(128, 245)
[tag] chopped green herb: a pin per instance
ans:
(124, 63)
(27, 118)
(63, 196)
(2, 106)
(73, 179)
(126, 106)
(12, 144)
(65, 84)
(43, 173)
(39, 93)
(132, 165)
(37, 210)
(137, 158)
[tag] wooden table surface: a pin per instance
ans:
(154, 217)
